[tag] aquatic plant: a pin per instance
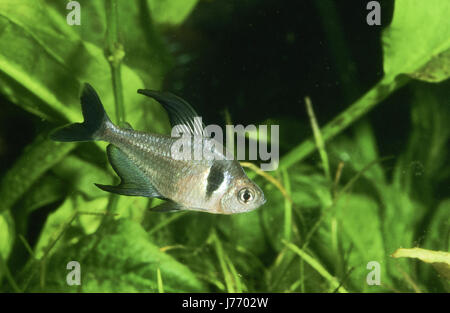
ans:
(335, 205)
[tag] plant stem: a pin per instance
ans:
(363, 105)
(114, 54)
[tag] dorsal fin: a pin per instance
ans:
(180, 112)
(133, 182)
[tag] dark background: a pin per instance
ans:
(259, 59)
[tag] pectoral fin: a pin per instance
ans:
(133, 181)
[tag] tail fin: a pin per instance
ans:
(95, 119)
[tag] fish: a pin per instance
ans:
(147, 167)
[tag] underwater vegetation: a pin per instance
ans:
(360, 201)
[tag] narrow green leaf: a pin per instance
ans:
(317, 266)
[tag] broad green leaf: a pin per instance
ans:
(407, 33)
(134, 208)
(171, 11)
(57, 222)
(46, 190)
(436, 70)
(191, 230)
(437, 237)
(54, 46)
(145, 51)
(418, 40)
(119, 258)
(438, 234)
(422, 167)
(24, 79)
(401, 216)
(80, 175)
(37, 158)
(244, 230)
(357, 153)
(360, 233)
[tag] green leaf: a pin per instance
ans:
(357, 152)
(171, 11)
(46, 190)
(310, 192)
(57, 221)
(315, 264)
(438, 234)
(424, 164)
(401, 217)
(145, 51)
(418, 40)
(191, 230)
(7, 236)
(244, 230)
(360, 230)
(436, 70)
(407, 48)
(47, 44)
(37, 158)
(437, 237)
(439, 259)
(119, 258)
(80, 175)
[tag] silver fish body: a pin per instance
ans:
(146, 166)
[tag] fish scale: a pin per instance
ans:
(151, 153)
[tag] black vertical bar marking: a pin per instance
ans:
(215, 179)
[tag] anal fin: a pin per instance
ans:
(172, 206)
(168, 206)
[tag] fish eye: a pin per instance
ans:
(245, 195)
